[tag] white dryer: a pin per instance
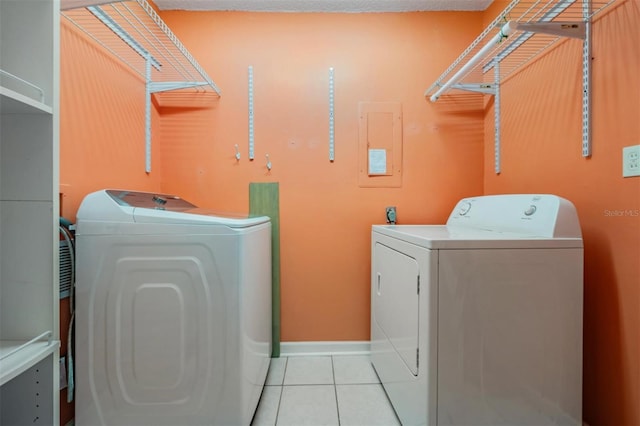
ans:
(173, 312)
(479, 321)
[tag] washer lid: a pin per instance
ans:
(167, 208)
(194, 216)
(118, 206)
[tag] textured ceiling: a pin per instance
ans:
(324, 5)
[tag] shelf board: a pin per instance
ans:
(20, 361)
(12, 102)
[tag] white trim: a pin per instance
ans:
(325, 348)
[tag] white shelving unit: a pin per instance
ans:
(134, 33)
(18, 356)
(519, 34)
(29, 63)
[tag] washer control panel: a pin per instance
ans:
(149, 200)
(540, 215)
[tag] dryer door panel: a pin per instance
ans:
(510, 337)
(396, 301)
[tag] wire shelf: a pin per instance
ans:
(133, 32)
(521, 47)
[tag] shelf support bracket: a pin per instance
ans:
(331, 117)
(147, 115)
(485, 88)
(586, 81)
(557, 28)
(251, 135)
(167, 86)
(496, 108)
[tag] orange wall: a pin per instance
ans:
(102, 131)
(541, 153)
(325, 216)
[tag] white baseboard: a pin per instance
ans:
(325, 348)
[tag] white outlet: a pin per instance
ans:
(631, 161)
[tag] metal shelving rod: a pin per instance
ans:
(505, 31)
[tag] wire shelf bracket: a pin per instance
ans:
(531, 26)
(251, 116)
(133, 32)
(332, 141)
(496, 135)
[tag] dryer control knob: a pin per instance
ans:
(531, 210)
(464, 208)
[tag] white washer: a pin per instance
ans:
(173, 321)
(479, 322)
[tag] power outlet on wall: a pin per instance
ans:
(631, 161)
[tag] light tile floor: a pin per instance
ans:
(323, 390)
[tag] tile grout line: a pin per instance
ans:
(286, 362)
(295, 385)
(335, 388)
